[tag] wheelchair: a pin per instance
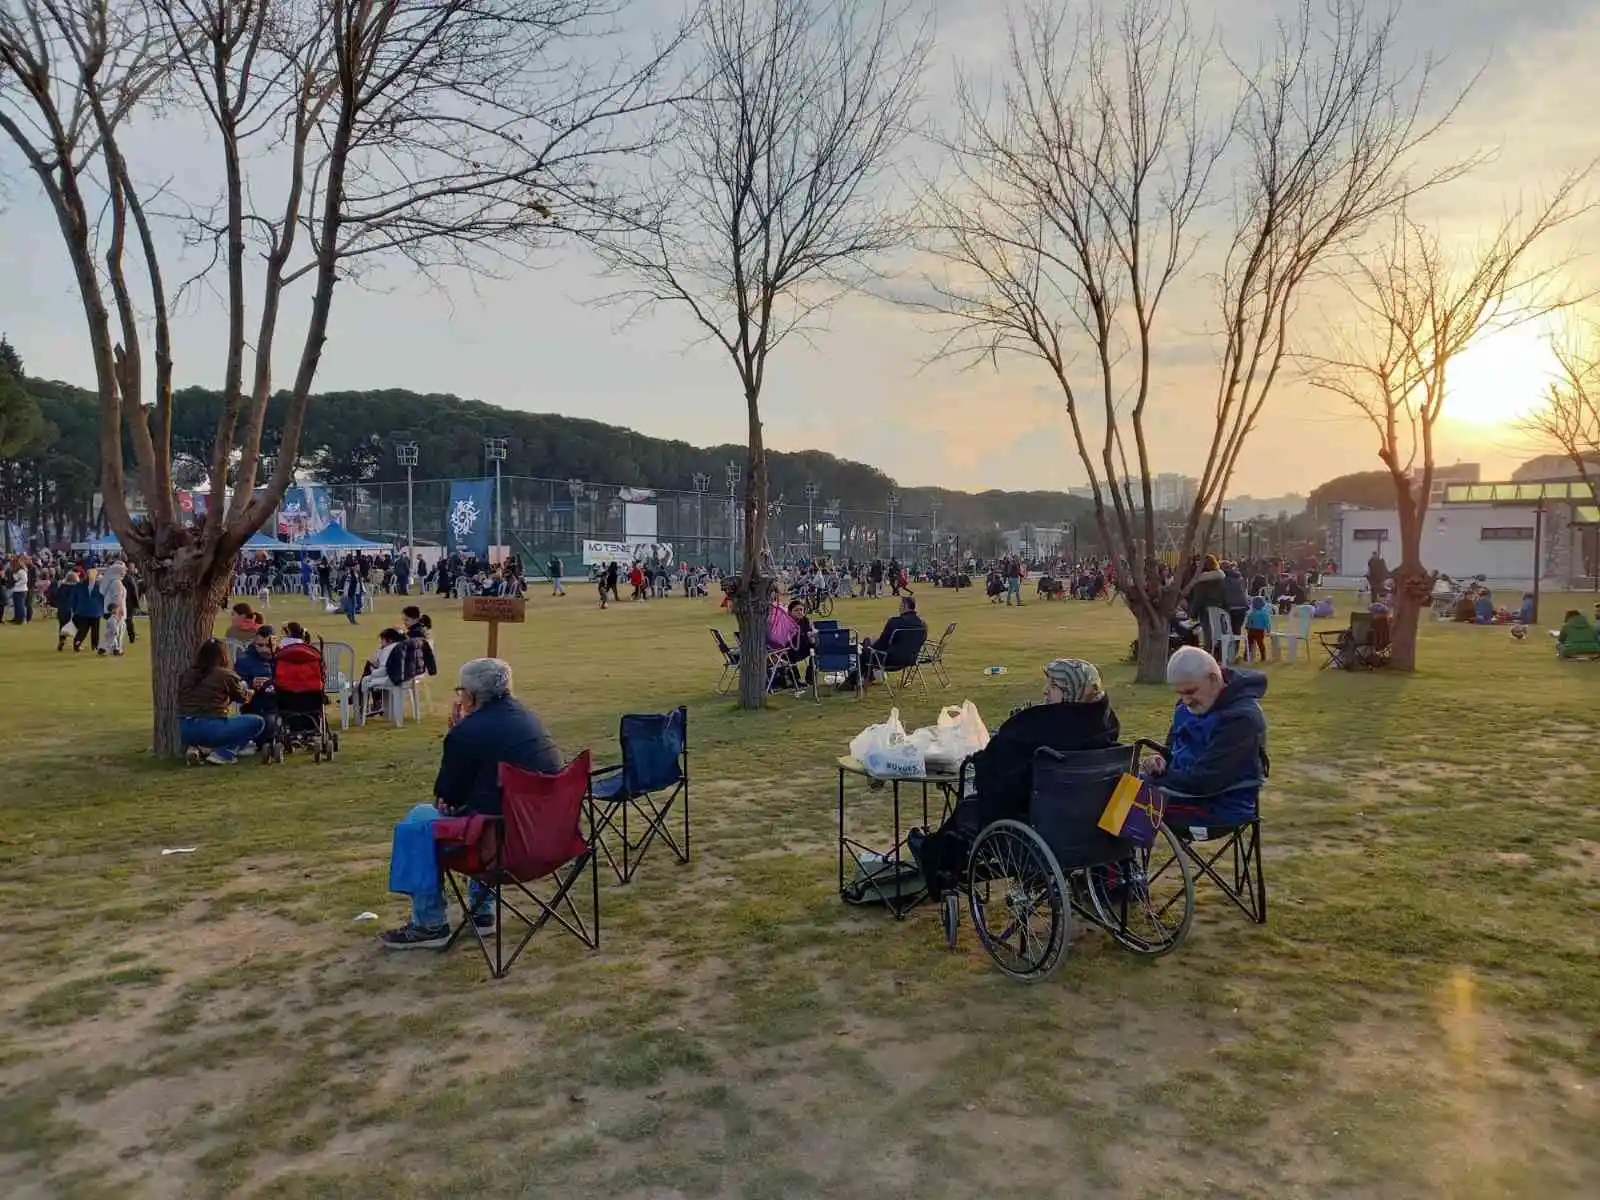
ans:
(1029, 882)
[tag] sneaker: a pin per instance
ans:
(246, 750)
(414, 937)
(194, 756)
(484, 922)
(101, 652)
(221, 758)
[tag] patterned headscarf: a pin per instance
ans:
(1078, 680)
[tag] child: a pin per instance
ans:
(1257, 624)
(115, 627)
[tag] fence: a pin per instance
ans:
(545, 517)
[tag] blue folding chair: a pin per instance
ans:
(819, 626)
(835, 652)
(642, 789)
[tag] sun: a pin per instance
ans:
(1502, 376)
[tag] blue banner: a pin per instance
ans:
(466, 521)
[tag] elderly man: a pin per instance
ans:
(1217, 743)
(492, 728)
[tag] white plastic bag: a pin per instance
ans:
(69, 630)
(965, 726)
(899, 761)
(960, 732)
(879, 736)
(885, 751)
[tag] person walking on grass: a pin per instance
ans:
(88, 608)
(555, 577)
(115, 628)
(61, 600)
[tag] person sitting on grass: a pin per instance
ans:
(206, 693)
(1217, 745)
(1576, 638)
(489, 727)
(1075, 716)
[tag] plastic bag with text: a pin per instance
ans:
(885, 751)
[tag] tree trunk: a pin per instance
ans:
(180, 620)
(751, 608)
(1413, 594)
(1152, 652)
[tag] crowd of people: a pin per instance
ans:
(93, 602)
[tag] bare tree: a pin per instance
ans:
(772, 195)
(1569, 418)
(432, 133)
(1081, 199)
(1416, 304)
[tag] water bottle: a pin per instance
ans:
(994, 670)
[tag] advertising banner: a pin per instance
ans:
(466, 520)
(305, 510)
(626, 552)
(639, 522)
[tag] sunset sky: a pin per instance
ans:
(863, 389)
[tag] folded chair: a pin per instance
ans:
(538, 837)
(633, 799)
(730, 664)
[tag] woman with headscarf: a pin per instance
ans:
(1075, 715)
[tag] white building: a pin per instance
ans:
(1459, 540)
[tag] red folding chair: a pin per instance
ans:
(538, 836)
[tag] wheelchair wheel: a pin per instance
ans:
(1018, 899)
(1145, 903)
(825, 607)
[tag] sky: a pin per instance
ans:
(864, 387)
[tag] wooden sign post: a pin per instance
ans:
(494, 609)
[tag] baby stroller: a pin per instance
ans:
(300, 685)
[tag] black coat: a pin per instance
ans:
(1003, 772)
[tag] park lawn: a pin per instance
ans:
(1421, 1017)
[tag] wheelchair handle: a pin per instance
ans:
(1142, 743)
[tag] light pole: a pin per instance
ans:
(406, 454)
(575, 488)
(813, 490)
(732, 471)
(775, 517)
(494, 449)
(831, 511)
(702, 485)
(894, 500)
(933, 536)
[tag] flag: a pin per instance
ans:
(466, 520)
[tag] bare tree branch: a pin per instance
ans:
(770, 198)
(1416, 304)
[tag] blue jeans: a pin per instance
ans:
(220, 733)
(1013, 588)
(350, 608)
(19, 606)
(432, 912)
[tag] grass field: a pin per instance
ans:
(1420, 1018)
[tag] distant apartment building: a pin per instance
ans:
(1169, 491)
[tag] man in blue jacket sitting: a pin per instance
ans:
(1217, 743)
(489, 727)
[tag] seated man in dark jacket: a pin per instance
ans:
(1076, 715)
(1217, 744)
(897, 647)
(493, 727)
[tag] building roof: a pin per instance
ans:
(1518, 493)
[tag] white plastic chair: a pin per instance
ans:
(1300, 635)
(395, 697)
(1225, 643)
(339, 660)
